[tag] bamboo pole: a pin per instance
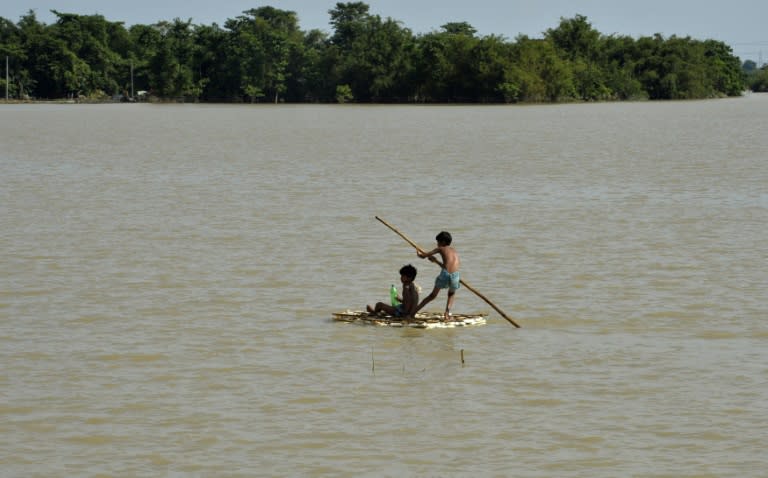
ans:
(472, 289)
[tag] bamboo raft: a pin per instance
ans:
(423, 320)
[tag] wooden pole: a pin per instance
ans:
(472, 289)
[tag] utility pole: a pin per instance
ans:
(6, 77)
(131, 80)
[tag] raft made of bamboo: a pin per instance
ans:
(423, 320)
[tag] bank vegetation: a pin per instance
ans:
(263, 55)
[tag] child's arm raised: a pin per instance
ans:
(425, 255)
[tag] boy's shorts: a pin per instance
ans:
(448, 281)
(399, 310)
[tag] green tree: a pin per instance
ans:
(723, 68)
(209, 60)
(522, 81)
(390, 60)
(264, 42)
(577, 42)
(170, 69)
(40, 48)
(246, 56)
(11, 48)
(540, 73)
(758, 81)
(618, 57)
(344, 94)
(311, 74)
(145, 43)
(653, 69)
(575, 38)
(492, 65)
(446, 66)
(459, 28)
(683, 68)
(749, 66)
(348, 21)
(281, 38)
(95, 67)
(374, 56)
(348, 47)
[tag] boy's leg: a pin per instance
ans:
(386, 308)
(449, 303)
(432, 296)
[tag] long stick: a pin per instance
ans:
(472, 289)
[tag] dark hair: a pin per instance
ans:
(408, 271)
(445, 238)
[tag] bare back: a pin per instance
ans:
(450, 257)
(410, 299)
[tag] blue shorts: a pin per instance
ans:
(399, 310)
(448, 281)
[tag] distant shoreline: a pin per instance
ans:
(170, 101)
(157, 101)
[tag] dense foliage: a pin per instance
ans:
(263, 55)
(757, 79)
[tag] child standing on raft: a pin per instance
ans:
(449, 277)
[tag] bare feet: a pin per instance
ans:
(370, 310)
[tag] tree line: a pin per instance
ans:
(263, 55)
(757, 78)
